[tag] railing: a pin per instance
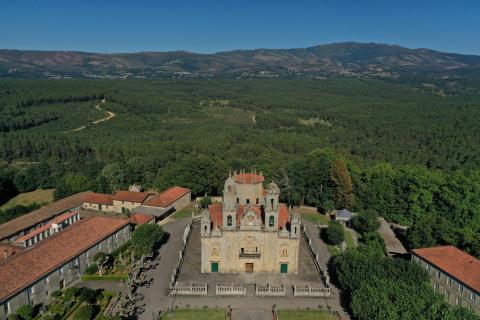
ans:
(270, 291)
(230, 290)
(254, 255)
(190, 290)
(311, 291)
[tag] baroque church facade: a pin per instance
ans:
(250, 231)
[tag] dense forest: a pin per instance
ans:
(368, 145)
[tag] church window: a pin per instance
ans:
(229, 220)
(271, 221)
(272, 202)
(238, 200)
(205, 228)
(257, 200)
(248, 201)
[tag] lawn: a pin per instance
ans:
(304, 315)
(315, 217)
(336, 250)
(41, 196)
(184, 213)
(197, 314)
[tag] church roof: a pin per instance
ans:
(250, 178)
(216, 214)
(283, 216)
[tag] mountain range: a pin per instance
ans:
(347, 59)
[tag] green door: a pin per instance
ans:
(283, 268)
(214, 266)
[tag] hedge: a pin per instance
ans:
(107, 277)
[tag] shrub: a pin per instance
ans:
(70, 293)
(91, 269)
(121, 249)
(88, 295)
(57, 293)
(12, 316)
(26, 312)
(86, 312)
(334, 233)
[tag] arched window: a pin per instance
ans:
(205, 228)
(238, 200)
(248, 201)
(272, 201)
(229, 220)
(271, 221)
(257, 200)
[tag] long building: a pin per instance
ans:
(454, 273)
(16, 228)
(30, 275)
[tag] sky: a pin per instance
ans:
(208, 26)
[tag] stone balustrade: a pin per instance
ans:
(311, 291)
(230, 290)
(194, 289)
(270, 291)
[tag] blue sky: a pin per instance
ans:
(211, 26)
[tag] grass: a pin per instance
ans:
(304, 315)
(197, 314)
(184, 213)
(27, 198)
(348, 238)
(315, 217)
(336, 250)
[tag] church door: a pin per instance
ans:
(214, 266)
(283, 268)
(249, 267)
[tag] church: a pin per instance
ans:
(250, 231)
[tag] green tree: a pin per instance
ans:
(366, 222)
(341, 185)
(146, 238)
(334, 233)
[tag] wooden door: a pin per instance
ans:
(249, 267)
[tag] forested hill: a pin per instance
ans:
(344, 59)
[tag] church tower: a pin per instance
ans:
(271, 206)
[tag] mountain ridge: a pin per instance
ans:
(350, 59)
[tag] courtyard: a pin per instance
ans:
(190, 271)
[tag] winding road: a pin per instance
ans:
(109, 116)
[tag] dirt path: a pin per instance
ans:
(109, 116)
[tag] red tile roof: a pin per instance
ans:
(7, 250)
(459, 264)
(283, 216)
(56, 220)
(33, 218)
(216, 214)
(249, 178)
(99, 198)
(167, 197)
(140, 218)
(22, 269)
(130, 196)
